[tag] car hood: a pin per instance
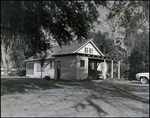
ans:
(143, 73)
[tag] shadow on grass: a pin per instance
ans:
(100, 111)
(104, 89)
(135, 82)
(20, 85)
(107, 89)
(127, 94)
(112, 93)
(119, 90)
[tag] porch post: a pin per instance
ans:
(112, 71)
(104, 68)
(77, 67)
(118, 69)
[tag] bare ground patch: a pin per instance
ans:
(35, 97)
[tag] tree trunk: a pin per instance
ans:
(40, 5)
(41, 71)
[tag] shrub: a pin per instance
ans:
(46, 78)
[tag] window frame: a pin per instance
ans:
(30, 65)
(82, 63)
(30, 68)
(86, 50)
(39, 65)
(91, 50)
(38, 69)
(51, 64)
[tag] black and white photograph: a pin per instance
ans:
(75, 58)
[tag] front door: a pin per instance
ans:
(58, 69)
(92, 71)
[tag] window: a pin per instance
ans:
(58, 64)
(38, 67)
(90, 50)
(82, 63)
(51, 64)
(30, 68)
(86, 50)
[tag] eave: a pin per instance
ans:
(88, 55)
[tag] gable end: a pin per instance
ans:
(89, 48)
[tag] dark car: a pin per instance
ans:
(125, 74)
(128, 75)
(12, 72)
(21, 72)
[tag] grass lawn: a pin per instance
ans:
(38, 97)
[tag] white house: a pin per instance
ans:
(74, 62)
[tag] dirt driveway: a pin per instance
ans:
(36, 97)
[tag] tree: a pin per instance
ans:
(139, 58)
(13, 56)
(132, 15)
(65, 21)
(42, 60)
(17, 53)
(114, 32)
(103, 42)
(6, 60)
(62, 20)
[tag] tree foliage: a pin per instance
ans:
(132, 15)
(103, 42)
(33, 22)
(64, 20)
(139, 58)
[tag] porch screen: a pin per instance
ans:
(30, 68)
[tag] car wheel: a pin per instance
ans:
(143, 80)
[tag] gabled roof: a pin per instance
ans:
(90, 41)
(67, 49)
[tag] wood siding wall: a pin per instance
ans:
(46, 72)
(82, 72)
(68, 67)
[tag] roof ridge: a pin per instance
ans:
(82, 46)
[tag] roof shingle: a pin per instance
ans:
(57, 50)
